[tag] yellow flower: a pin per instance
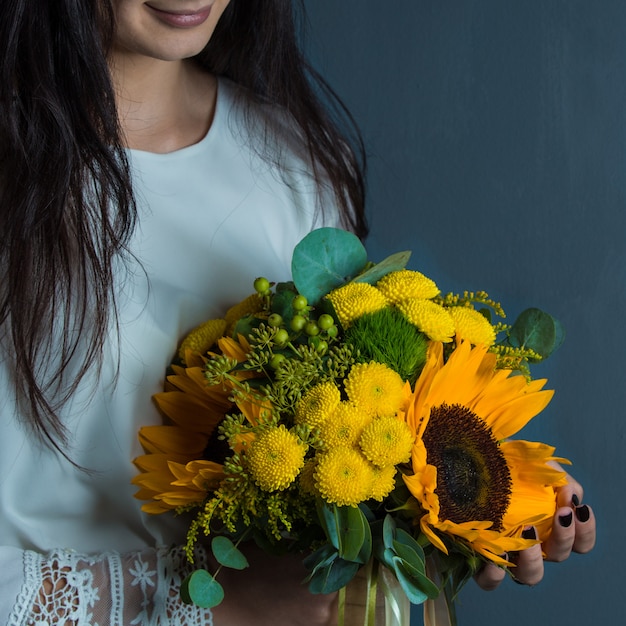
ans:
(344, 427)
(317, 404)
(384, 480)
(173, 472)
(430, 318)
(386, 441)
(276, 457)
(375, 388)
(201, 339)
(248, 306)
(472, 326)
(472, 486)
(307, 477)
(355, 299)
(405, 284)
(343, 476)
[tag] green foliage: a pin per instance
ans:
(538, 331)
(325, 259)
(227, 554)
(393, 263)
(202, 589)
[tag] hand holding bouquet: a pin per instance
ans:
(360, 417)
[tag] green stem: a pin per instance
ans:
(372, 589)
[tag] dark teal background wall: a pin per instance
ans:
(496, 132)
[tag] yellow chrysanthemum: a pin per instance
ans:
(343, 476)
(202, 338)
(386, 441)
(307, 477)
(384, 480)
(430, 318)
(404, 284)
(375, 389)
(344, 427)
(317, 404)
(472, 326)
(470, 484)
(275, 458)
(355, 299)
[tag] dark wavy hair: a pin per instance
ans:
(67, 208)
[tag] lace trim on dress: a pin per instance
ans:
(65, 588)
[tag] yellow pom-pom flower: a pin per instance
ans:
(430, 318)
(384, 480)
(386, 441)
(248, 306)
(275, 458)
(404, 284)
(317, 404)
(375, 388)
(306, 478)
(202, 338)
(343, 477)
(354, 300)
(472, 326)
(345, 425)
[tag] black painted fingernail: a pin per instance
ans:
(566, 520)
(575, 500)
(582, 513)
(529, 533)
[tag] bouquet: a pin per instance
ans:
(357, 416)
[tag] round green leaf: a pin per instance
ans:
(227, 554)
(325, 259)
(537, 330)
(201, 589)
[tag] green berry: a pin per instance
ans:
(311, 328)
(325, 321)
(261, 285)
(332, 332)
(275, 320)
(276, 361)
(298, 322)
(299, 303)
(281, 337)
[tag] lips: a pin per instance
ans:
(181, 18)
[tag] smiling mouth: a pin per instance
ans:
(181, 18)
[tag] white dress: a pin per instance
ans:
(212, 217)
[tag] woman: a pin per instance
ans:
(152, 154)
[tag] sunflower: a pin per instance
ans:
(180, 464)
(471, 484)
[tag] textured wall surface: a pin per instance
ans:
(496, 135)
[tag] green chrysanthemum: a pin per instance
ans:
(432, 319)
(355, 299)
(317, 404)
(472, 326)
(375, 388)
(345, 425)
(404, 284)
(343, 477)
(386, 441)
(275, 458)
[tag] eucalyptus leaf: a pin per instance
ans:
(227, 554)
(201, 589)
(322, 557)
(327, 515)
(389, 531)
(333, 576)
(354, 532)
(325, 259)
(408, 540)
(408, 555)
(415, 584)
(393, 263)
(537, 330)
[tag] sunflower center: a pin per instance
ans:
(473, 478)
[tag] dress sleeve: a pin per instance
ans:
(65, 588)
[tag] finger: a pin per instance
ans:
(559, 544)
(570, 494)
(585, 525)
(489, 576)
(529, 563)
